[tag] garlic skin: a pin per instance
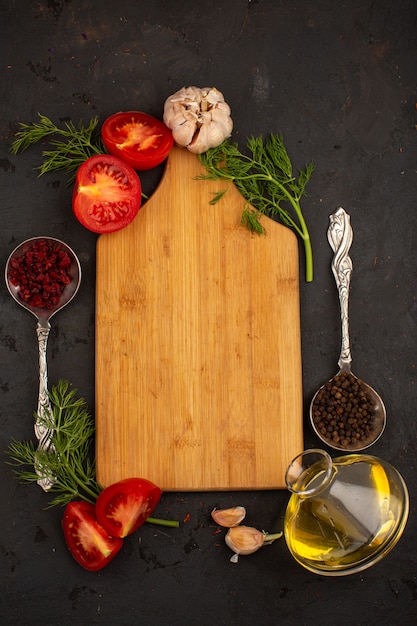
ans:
(198, 117)
(229, 517)
(244, 540)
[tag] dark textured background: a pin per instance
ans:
(338, 80)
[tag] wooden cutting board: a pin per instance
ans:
(198, 358)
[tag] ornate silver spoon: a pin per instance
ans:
(334, 412)
(43, 432)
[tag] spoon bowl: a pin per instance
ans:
(69, 291)
(346, 413)
(44, 426)
(377, 420)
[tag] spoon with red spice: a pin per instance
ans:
(43, 274)
(346, 413)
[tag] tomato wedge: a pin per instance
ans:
(89, 543)
(138, 138)
(125, 505)
(107, 194)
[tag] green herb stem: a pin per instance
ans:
(303, 233)
(266, 181)
(163, 522)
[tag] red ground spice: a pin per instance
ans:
(41, 273)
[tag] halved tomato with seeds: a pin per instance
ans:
(107, 194)
(123, 507)
(138, 138)
(89, 543)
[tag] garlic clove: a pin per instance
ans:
(208, 136)
(229, 517)
(220, 116)
(213, 95)
(176, 113)
(244, 540)
(199, 143)
(223, 108)
(217, 133)
(183, 133)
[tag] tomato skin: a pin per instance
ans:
(124, 506)
(139, 139)
(89, 543)
(107, 194)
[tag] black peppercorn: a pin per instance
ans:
(343, 412)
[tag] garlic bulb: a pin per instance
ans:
(247, 540)
(199, 118)
(229, 517)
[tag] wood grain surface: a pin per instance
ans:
(198, 358)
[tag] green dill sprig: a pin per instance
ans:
(70, 145)
(266, 180)
(67, 461)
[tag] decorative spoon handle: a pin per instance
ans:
(43, 423)
(340, 236)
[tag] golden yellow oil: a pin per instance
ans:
(350, 521)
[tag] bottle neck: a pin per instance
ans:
(310, 473)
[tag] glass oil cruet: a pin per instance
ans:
(344, 514)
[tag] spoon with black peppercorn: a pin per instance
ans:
(43, 274)
(346, 413)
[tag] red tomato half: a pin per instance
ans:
(124, 506)
(90, 545)
(138, 138)
(107, 194)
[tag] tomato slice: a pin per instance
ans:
(125, 505)
(138, 138)
(89, 543)
(107, 194)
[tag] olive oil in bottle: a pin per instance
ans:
(341, 519)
